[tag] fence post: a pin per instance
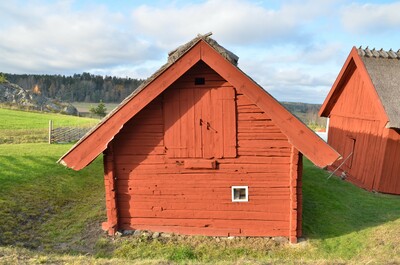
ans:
(50, 130)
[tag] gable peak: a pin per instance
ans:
(179, 51)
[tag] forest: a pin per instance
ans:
(83, 87)
(91, 88)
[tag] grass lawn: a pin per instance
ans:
(43, 204)
(19, 126)
(51, 214)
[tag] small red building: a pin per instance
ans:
(364, 110)
(200, 148)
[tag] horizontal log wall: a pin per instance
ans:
(156, 191)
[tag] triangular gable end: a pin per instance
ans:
(95, 142)
(352, 63)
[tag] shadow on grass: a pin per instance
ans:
(333, 207)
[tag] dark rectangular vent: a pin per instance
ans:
(199, 81)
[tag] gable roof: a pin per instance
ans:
(383, 68)
(180, 60)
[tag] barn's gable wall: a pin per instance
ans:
(357, 127)
(157, 190)
(357, 99)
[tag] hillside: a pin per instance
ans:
(83, 87)
(15, 96)
(307, 113)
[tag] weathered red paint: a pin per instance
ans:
(178, 151)
(357, 126)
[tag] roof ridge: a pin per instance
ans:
(374, 53)
(179, 51)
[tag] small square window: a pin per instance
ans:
(240, 193)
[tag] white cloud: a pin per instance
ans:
(282, 45)
(235, 21)
(293, 73)
(368, 18)
(55, 38)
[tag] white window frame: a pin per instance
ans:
(240, 187)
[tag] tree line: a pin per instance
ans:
(83, 87)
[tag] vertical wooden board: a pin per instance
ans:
(395, 173)
(198, 121)
(169, 123)
(293, 220)
(207, 127)
(299, 195)
(390, 180)
(110, 192)
(350, 143)
(217, 119)
(184, 134)
(357, 99)
(175, 147)
(191, 124)
(229, 121)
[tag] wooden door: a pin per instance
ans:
(200, 122)
(349, 146)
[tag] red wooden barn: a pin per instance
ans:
(364, 110)
(200, 148)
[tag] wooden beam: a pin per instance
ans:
(200, 164)
(303, 138)
(293, 218)
(111, 226)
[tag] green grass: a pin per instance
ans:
(19, 126)
(43, 204)
(52, 214)
(343, 220)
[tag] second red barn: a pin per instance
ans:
(364, 110)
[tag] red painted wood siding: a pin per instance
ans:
(357, 124)
(155, 191)
(200, 120)
(389, 181)
(109, 181)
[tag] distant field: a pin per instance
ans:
(85, 106)
(19, 126)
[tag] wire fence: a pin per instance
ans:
(66, 134)
(52, 134)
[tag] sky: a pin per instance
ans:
(293, 48)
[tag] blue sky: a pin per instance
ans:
(294, 49)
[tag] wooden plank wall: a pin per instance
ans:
(155, 191)
(356, 118)
(390, 178)
(200, 120)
